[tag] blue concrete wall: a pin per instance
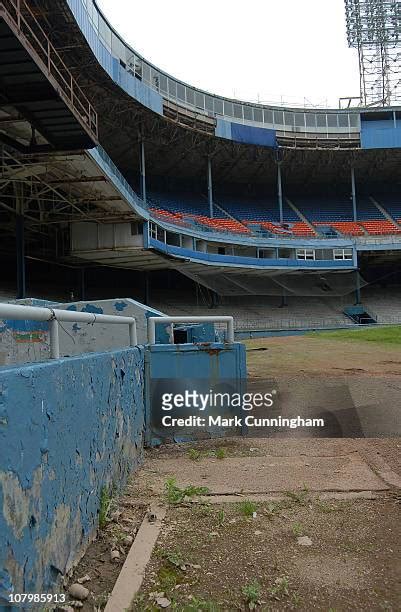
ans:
(383, 134)
(191, 366)
(130, 84)
(67, 429)
(250, 261)
(249, 134)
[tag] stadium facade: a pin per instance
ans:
(109, 161)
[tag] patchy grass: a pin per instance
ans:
(297, 530)
(298, 497)
(258, 564)
(252, 592)
(381, 334)
(194, 454)
(247, 507)
(280, 588)
(176, 495)
(221, 453)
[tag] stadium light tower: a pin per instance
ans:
(374, 28)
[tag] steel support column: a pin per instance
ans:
(142, 163)
(280, 193)
(210, 187)
(20, 242)
(357, 289)
(353, 191)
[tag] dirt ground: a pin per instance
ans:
(123, 521)
(214, 555)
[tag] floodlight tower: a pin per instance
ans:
(374, 28)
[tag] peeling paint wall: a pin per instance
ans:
(24, 341)
(67, 429)
(77, 338)
(186, 367)
(28, 341)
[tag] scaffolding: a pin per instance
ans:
(374, 29)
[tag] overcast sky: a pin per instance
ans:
(253, 49)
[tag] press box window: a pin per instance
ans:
(209, 103)
(199, 100)
(190, 96)
(268, 116)
(310, 120)
(258, 115)
(306, 254)
(332, 121)
(238, 111)
(181, 92)
(341, 254)
(146, 73)
(248, 114)
(218, 107)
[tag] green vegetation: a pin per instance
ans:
(175, 495)
(389, 334)
(247, 507)
(168, 577)
(221, 453)
(297, 530)
(298, 497)
(196, 604)
(251, 592)
(104, 507)
(194, 454)
(280, 588)
(221, 516)
(175, 558)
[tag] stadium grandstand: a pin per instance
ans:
(118, 178)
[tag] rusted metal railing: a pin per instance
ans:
(20, 17)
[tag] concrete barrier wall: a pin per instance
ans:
(68, 428)
(78, 338)
(28, 341)
(204, 367)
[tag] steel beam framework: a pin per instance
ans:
(374, 29)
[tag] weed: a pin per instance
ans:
(101, 600)
(202, 510)
(297, 530)
(174, 558)
(298, 497)
(198, 603)
(175, 495)
(194, 454)
(168, 577)
(272, 509)
(296, 600)
(104, 507)
(251, 592)
(221, 517)
(221, 453)
(118, 534)
(247, 507)
(280, 588)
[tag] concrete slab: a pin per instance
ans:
(266, 474)
(131, 576)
